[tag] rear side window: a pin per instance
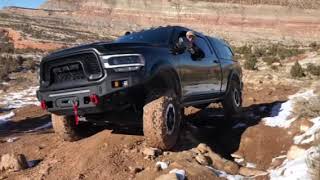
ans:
(223, 51)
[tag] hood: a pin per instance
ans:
(100, 47)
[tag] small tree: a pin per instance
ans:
(296, 70)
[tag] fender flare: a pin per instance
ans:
(168, 74)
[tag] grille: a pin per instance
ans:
(70, 72)
(84, 66)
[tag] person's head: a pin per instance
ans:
(190, 35)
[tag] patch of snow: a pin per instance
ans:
(4, 83)
(239, 160)
(45, 126)
(225, 175)
(280, 113)
(11, 140)
(309, 135)
(5, 118)
(292, 169)
(162, 165)
(20, 99)
(181, 174)
(250, 165)
(239, 125)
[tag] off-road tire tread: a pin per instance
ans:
(154, 126)
(229, 107)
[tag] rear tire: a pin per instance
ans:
(162, 120)
(232, 103)
(65, 127)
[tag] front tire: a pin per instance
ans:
(162, 120)
(65, 127)
(232, 103)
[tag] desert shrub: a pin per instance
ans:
(245, 50)
(250, 63)
(272, 50)
(296, 70)
(313, 69)
(29, 64)
(270, 60)
(314, 46)
(9, 64)
(259, 52)
(284, 52)
(276, 68)
(5, 45)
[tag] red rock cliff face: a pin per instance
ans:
(235, 22)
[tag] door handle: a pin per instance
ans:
(216, 61)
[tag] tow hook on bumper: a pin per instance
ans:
(75, 111)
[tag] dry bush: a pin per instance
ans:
(313, 69)
(297, 71)
(270, 60)
(9, 64)
(250, 63)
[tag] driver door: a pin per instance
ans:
(195, 73)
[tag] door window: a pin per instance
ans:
(202, 44)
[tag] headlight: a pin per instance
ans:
(123, 62)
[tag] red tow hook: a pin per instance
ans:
(94, 99)
(43, 105)
(75, 111)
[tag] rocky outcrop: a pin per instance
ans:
(13, 162)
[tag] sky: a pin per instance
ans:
(21, 3)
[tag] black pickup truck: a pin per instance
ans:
(151, 71)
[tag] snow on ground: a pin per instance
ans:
(19, 99)
(296, 169)
(223, 174)
(280, 113)
(309, 135)
(5, 118)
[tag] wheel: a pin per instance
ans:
(161, 120)
(232, 102)
(65, 128)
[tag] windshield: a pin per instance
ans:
(153, 36)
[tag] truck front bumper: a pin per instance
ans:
(110, 93)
